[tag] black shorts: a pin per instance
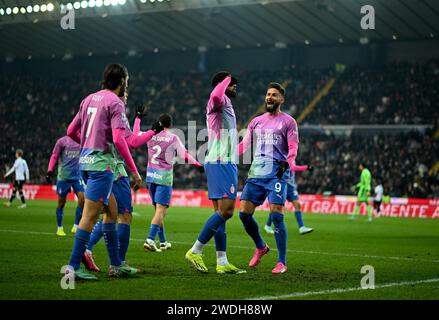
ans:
(18, 185)
(377, 204)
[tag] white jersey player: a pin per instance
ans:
(21, 175)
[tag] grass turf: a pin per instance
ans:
(331, 257)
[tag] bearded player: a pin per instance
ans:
(276, 137)
(100, 122)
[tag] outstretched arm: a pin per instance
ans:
(183, 153)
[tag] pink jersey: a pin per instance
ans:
(162, 149)
(99, 114)
(276, 140)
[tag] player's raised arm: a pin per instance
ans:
(74, 129)
(217, 94)
(139, 138)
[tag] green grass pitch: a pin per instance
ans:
(325, 264)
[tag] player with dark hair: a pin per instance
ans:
(159, 177)
(101, 121)
(277, 139)
(21, 175)
(363, 194)
(221, 172)
(67, 152)
(121, 190)
(378, 196)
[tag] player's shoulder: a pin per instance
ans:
(288, 117)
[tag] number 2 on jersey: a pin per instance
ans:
(157, 150)
(92, 119)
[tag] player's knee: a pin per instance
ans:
(125, 218)
(227, 213)
(297, 205)
(276, 208)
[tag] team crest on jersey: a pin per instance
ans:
(232, 189)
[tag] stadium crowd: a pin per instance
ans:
(35, 110)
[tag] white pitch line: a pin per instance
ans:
(339, 254)
(343, 290)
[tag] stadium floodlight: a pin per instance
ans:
(15, 10)
(143, 1)
(23, 10)
(151, 1)
(69, 6)
(36, 8)
(2, 11)
(8, 11)
(92, 3)
(99, 3)
(84, 4)
(114, 2)
(43, 8)
(77, 5)
(107, 3)
(122, 2)
(29, 9)
(50, 7)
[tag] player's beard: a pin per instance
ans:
(231, 93)
(272, 107)
(122, 91)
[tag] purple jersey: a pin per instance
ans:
(68, 161)
(99, 113)
(273, 134)
(161, 154)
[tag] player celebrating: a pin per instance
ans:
(277, 142)
(293, 196)
(21, 175)
(363, 194)
(159, 177)
(122, 191)
(221, 172)
(68, 179)
(101, 121)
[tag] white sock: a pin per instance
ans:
(197, 248)
(60, 228)
(75, 225)
(221, 258)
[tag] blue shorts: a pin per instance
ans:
(292, 193)
(222, 180)
(122, 192)
(160, 194)
(257, 190)
(99, 185)
(63, 188)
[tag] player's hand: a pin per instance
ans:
(137, 181)
(141, 111)
(310, 168)
(49, 176)
(157, 127)
(201, 169)
(283, 166)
